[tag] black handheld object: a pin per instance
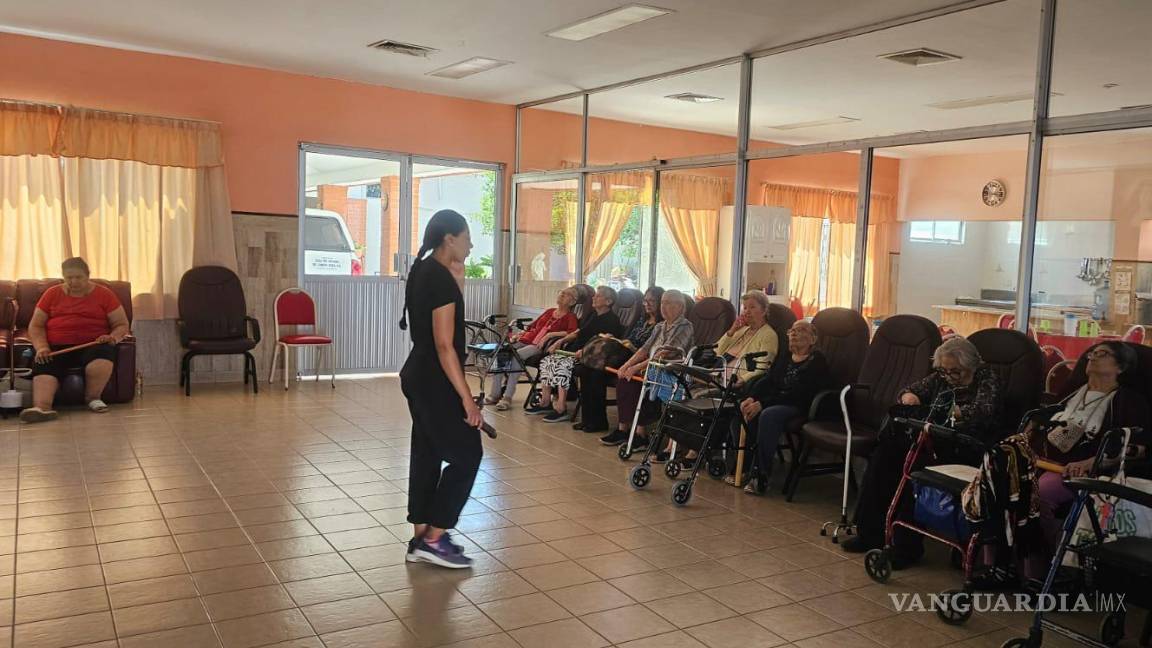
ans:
(485, 426)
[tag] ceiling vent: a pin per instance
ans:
(693, 97)
(813, 124)
(407, 49)
(920, 57)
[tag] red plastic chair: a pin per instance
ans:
(797, 307)
(1057, 378)
(1006, 321)
(947, 332)
(295, 308)
(1135, 334)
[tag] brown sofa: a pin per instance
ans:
(16, 347)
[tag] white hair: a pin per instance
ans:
(961, 350)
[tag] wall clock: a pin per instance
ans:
(994, 193)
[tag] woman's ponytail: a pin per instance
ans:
(442, 223)
(408, 287)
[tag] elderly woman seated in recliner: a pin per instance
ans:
(75, 312)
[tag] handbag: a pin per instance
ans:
(1118, 518)
(601, 352)
(940, 511)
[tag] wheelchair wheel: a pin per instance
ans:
(672, 469)
(623, 452)
(682, 492)
(878, 565)
(717, 467)
(956, 610)
(639, 476)
(1112, 628)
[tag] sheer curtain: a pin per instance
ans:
(142, 199)
(611, 199)
(690, 205)
(811, 206)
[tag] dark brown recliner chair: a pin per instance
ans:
(1019, 363)
(582, 309)
(842, 336)
(900, 353)
(710, 317)
(781, 318)
(629, 306)
(214, 321)
(121, 387)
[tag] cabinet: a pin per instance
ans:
(766, 234)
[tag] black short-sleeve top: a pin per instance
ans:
(432, 286)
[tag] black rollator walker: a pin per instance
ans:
(698, 424)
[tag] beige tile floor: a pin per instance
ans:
(234, 520)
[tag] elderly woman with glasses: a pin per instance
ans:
(962, 393)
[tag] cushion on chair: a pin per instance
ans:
(629, 306)
(951, 478)
(305, 339)
(1019, 363)
(222, 346)
(830, 435)
(843, 339)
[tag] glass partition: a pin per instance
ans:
(467, 190)
(1100, 56)
(800, 234)
(948, 248)
(686, 115)
(694, 230)
(618, 229)
(552, 136)
(1092, 278)
(546, 222)
(963, 69)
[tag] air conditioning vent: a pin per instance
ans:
(920, 57)
(693, 97)
(407, 49)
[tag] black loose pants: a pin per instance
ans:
(440, 435)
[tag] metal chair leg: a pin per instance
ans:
(272, 365)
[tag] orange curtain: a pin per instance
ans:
(28, 129)
(142, 199)
(691, 206)
(610, 205)
(839, 207)
(804, 262)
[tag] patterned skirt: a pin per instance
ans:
(556, 370)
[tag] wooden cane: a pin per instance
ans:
(1049, 466)
(740, 456)
(615, 371)
(73, 348)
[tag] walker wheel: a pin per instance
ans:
(682, 492)
(1018, 642)
(639, 476)
(878, 565)
(1112, 628)
(717, 467)
(672, 469)
(956, 610)
(623, 452)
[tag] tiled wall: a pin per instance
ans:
(266, 254)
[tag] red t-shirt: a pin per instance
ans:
(549, 322)
(76, 320)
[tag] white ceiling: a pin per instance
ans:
(1098, 42)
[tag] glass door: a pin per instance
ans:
(545, 252)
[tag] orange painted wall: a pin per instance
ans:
(265, 114)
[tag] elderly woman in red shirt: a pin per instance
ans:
(74, 312)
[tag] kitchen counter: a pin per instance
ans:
(967, 319)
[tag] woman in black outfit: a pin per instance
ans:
(783, 394)
(594, 382)
(445, 418)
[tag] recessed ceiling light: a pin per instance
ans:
(608, 21)
(474, 65)
(693, 97)
(812, 124)
(993, 100)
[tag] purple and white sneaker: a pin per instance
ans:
(410, 556)
(441, 553)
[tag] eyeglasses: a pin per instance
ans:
(950, 373)
(1100, 353)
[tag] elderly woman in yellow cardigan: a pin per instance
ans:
(750, 333)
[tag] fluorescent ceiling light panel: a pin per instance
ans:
(813, 124)
(693, 97)
(474, 65)
(608, 21)
(976, 102)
